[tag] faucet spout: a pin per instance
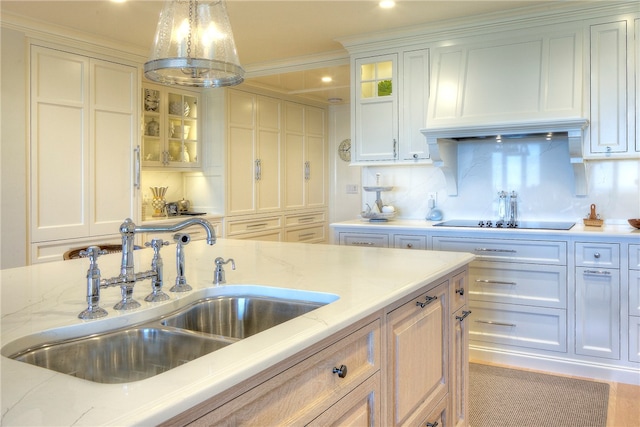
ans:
(211, 234)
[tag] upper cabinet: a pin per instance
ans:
(171, 127)
(514, 78)
(614, 70)
(390, 93)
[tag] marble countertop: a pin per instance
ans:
(617, 231)
(48, 297)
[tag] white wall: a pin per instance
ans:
(342, 206)
(13, 157)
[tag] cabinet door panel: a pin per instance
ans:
(415, 95)
(113, 195)
(268, 186)
(598, 312)
(241, 171)
(417, 334)
(315, 179)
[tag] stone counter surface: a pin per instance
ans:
(48, 297)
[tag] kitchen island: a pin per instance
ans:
(49, 297)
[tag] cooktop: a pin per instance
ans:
(524, 225)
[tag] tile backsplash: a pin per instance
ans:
(539, 171)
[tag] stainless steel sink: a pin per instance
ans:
(122, 356)
(238, 316)
(163, 343)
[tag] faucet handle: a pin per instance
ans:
(156, 244)
(92, 252)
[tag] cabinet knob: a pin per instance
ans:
(596, 255)
(460, 291)
(409, 245)
(341, 371)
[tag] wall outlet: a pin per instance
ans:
(433, 196)
(352, 189)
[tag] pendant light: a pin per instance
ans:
(194, 46)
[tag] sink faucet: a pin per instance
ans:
(128, 277)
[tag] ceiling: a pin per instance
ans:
(272, 37)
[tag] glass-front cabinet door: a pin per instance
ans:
(376, 108)
(170, 128)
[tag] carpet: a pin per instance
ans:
(500, 397)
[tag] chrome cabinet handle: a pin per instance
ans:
(465, 313)
(258, 170)
(495, 282)
(363, 243)
(136, 178)
(460, 291)
(395, 148)
(341, 371)
(597, 273)
(428, 300)
(307, 170)
(596, 255)
(491, 322)
(513, 251)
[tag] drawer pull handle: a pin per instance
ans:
(306, 236)
(597, 272)
(261, 225)
(495, 282)
(491, 322)
(460, 291)
(435, 424)
(341, 371)
(511, 251)
(596, 255)
(428, 300)
(464, 315)
(306, 219)
(362, 243)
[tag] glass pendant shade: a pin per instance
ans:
(194, 46)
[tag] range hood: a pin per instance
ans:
(443, 144)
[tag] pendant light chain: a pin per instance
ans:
(190, 27)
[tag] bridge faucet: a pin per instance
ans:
(128, 277)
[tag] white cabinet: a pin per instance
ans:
(83, 135)
(521, 76)
(598, 300)
(459, 358)
(171, 129)
(612, 119)
(517, 291)
(305, 157)
(390, 95)
(634, 303)
(254, 154)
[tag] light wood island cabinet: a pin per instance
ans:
(391, 368)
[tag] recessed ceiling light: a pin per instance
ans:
(387, 4)
(327, 79)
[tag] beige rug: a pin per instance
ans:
(500, 397)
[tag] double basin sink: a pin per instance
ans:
(166, 342)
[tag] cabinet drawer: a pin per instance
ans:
(634, 257)
(538, 252)
(409, 242)
(634, 292)
(307, 389)
(235, 227)
(315, 234)
(598, 254)
(527, 284)
(304, 219)
(365, 239)
(533, 327)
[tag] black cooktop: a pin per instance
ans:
(523, 225)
